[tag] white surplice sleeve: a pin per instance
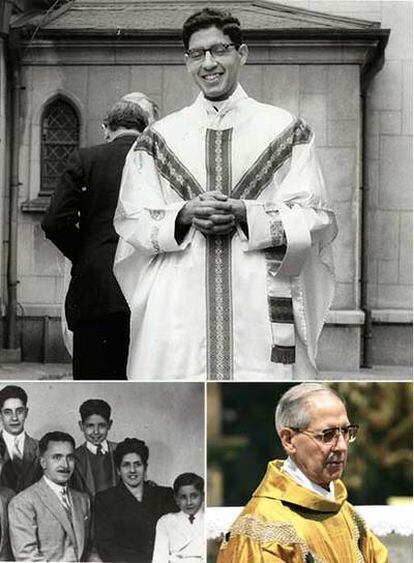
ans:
(294, 213)
(146, 213)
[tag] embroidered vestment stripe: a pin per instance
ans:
(260, 174)
(219, 262)
(168, 164)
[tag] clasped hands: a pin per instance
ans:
(213, 213)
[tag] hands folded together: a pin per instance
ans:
(213, 213)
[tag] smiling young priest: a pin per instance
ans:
(299, 512)
(225, 230)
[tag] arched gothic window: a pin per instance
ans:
(60, 135)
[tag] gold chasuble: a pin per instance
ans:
(286, 522)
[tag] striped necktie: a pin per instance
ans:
(66, 502)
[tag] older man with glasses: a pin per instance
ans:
(299, 512)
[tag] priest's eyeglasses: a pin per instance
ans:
(331, 435)
(216, 50)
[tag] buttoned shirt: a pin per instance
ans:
(11, 440)
(94, 449)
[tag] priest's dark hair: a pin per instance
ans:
(209, 17)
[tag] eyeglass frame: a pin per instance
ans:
(338, 429)
(226, 50)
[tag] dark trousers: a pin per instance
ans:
(100, 348)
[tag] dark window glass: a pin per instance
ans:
(60, 135)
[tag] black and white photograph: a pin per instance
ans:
(102, 472)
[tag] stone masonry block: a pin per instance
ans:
(396, 173)
(373, 183)
(407, 107)
(343, 133)
(386, 87)
(373, 144)
(390, 123)
(101, 98)
(384, 234)
(339, 170)
(398, 16)
(146, 79)
(343, 92)
(406, 248)
(344, 296)
(25, 265)
(313, 79)
(392, 296)
(387, 271)
(252, 81)
(36, 289)
(281, 86)
(179, 88)
(312, 107)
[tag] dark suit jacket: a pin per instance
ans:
(5, 550)
(124, 527)
(79, 222)
(31, 470)
(82, 478)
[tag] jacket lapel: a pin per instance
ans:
(48, 498)
(78, 518)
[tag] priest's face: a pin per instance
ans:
(215, 72)
(322, 462)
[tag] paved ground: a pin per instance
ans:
(30, 371)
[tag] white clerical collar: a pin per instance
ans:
(223, 106)
(290, 467)
(12, 439)
(94, 449)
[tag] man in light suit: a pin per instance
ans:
(49, 521)
(21, 459)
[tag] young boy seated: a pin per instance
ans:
(180, 536)
(95, 468)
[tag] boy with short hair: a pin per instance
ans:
(95, 468)
(180, 536)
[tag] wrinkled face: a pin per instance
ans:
(216, 76)
(13, 415)
(189, 499)
(95, 428)
(322, 463)
(132, 471)
(58, 462)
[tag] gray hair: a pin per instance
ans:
(291, 411)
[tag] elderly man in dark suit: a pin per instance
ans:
(21, 452)
(79, 223)
(49, 521)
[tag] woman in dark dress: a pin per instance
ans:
(125, 516)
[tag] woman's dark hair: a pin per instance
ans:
(209, 17)
(131, 446)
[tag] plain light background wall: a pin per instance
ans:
(168, 416)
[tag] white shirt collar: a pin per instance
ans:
(290, 467)
(57, 489)
(11, 439)
(93, 449)
(197, 516)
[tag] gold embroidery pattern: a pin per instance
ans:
(168, 165)
(360, 528)
(255, 180)
(219, 306)
(277, 233)
(263, 532)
